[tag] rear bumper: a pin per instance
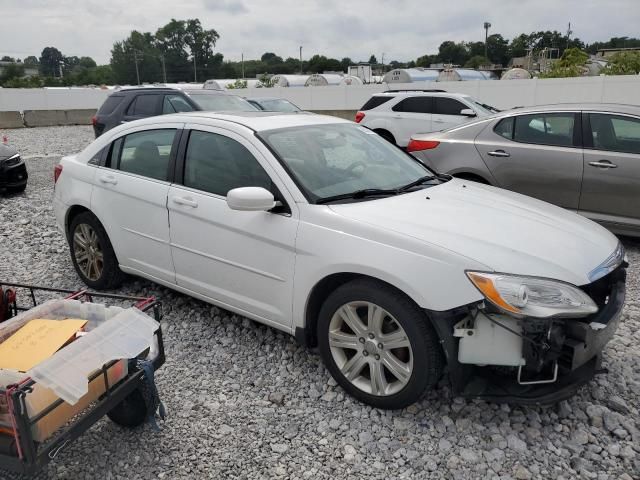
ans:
(579, 362)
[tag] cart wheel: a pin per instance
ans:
(130, 412)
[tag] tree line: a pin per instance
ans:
(183, 51)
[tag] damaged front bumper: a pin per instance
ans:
(572, 357)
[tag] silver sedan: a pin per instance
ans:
(583, 157)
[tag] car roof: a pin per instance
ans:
(161, 89)
(413, 93)
(601, 107)
(257, 121)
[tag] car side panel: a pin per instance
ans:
(434, 280)
(73, 187)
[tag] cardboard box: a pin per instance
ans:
(41, 397)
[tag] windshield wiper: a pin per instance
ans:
(366, 192)
(415, 183)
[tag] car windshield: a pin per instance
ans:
(277, 105)
(216, 102)
(342, 159)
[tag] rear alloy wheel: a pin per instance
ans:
(88, 252)
(92, 254)
(378, 345)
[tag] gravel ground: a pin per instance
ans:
(245, 401)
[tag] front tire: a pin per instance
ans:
(92, 253)
(378, 344)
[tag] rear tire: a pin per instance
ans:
(131, 411)
(389, 359)
(92, 253)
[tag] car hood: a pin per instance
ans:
(6, 151)
(506, 231)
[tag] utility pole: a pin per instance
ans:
(195, 70)
(569, 32)
(300, 59)
(164, 71)
(487, 26)
(242, 57)
(60, 63)
(382, 63)
(135, 59)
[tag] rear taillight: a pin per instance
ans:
(57, 170)
(359, 117)
(419, 145)
(94, 120)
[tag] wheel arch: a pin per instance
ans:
(306, 335)
(472, 175)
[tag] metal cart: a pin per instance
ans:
(123, 402)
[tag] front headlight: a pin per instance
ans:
(531, 296)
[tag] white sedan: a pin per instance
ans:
(318, 227)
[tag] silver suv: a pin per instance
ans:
(396, 115)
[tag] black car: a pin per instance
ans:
(135, 103)
(13, 171)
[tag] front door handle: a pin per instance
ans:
(605, 164)
(438, 121)
(108, 179)
(499, 153)
(187, 201)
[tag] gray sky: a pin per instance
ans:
(402, 29)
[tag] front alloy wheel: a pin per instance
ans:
(378, 344)
(370, 348)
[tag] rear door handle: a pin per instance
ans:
(499, 153)
(603, 164)
(108, 179)
(187, 201)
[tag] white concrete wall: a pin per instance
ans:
(501, 94)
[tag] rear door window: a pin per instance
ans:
(415, 105)
(144, 106)
(110, 104)
(448, 106)
(374, 102)
(504, 128)
(175, 104)
(615, 133)
(144, 153)
(545, 129)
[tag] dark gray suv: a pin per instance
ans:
(131, 104)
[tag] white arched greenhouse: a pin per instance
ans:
(410, 75)
(289, 80)
(464, 74)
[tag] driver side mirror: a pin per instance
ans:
(250, 199)
(467, 112)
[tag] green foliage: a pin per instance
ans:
(615, 42)
(623, 63)
(50, 60)
(237, 84)
(571, 64)
(11, 72)
(266, 81)
(7, 58)
(31, 60)
(477, 61)
(373, 60)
